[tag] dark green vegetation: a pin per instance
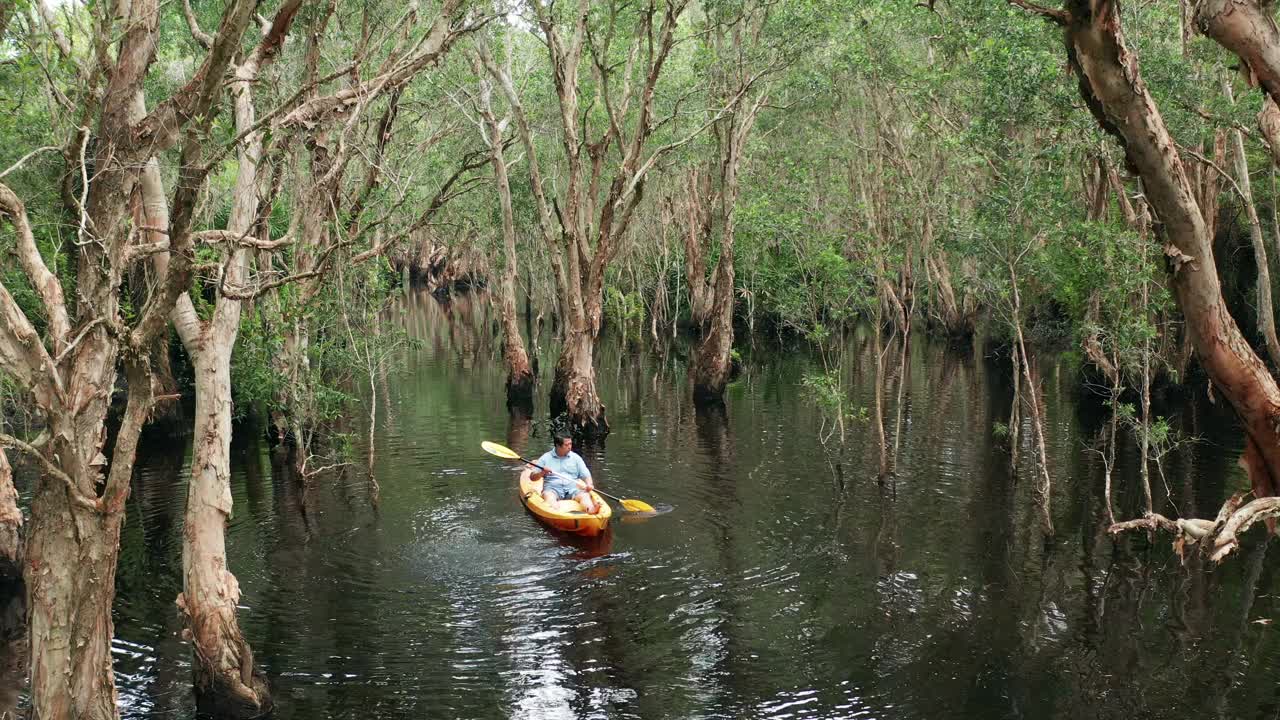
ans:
(211, 209)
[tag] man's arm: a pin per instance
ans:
(540, 474)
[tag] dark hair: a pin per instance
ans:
(560, 437)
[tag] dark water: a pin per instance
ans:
(786, 582)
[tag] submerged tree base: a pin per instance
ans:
(250, 698)
(575, 406)
(520, 391)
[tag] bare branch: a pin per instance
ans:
(22, 355)
(159, 129)
(59, 40)
(27, 157)
(47, 465)
(438, 40)
(1059, 17)
(202, 38)
(79, 336)
(45, 282)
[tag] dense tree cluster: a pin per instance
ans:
(215, 198)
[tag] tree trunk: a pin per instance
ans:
(573, 391)
(1044, 486)
(1115, 92)
(713, 365)
(1266, 310)
(697, 237)
(519, 374)
(71, 568)
(10, 523)
(227, 683)
(1269, 124)
(881, 440)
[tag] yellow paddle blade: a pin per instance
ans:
(501, 451)
(637, 506)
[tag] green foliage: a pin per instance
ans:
(999, 431)
(256, 384)
(626, 311)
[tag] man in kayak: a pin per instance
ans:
(568, 477)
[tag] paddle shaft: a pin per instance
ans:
(553, 472)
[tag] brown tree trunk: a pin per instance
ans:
(697, 237)
(520, 379)
(71, 561)
(1112, 87)
(882, 441)
(1269, 124)
(713, 364)
(10, 523)
(573, 391)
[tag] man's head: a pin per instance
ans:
(564, 443)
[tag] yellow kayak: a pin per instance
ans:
(568, 514)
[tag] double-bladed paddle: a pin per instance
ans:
(503, 451)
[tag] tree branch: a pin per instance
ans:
(27, 157)
(72, 491)
(202, 38)
(159, 129)
(45, 282)
(1060, 17)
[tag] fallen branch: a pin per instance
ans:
(1218, 538)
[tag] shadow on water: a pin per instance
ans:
(786, 583)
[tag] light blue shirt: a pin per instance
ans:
(569, 467)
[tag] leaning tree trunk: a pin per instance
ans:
(1112, 87)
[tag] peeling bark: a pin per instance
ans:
(1112, 87)
(520, 380)
(78, 502)
(10, 523)
(227, 683)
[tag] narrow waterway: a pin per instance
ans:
(785, 583)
